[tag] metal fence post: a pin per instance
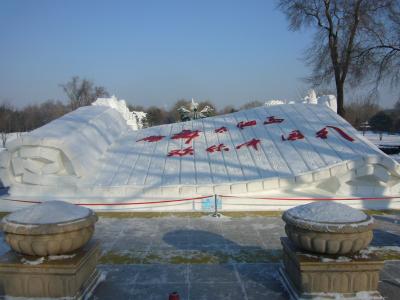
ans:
(216, 214)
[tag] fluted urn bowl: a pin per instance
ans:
(49, 228)
(328, 228)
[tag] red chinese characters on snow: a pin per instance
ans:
(273, 120)
(152, 138)
(323, 133)
(181, 152)
(244, 124)
(188, 135)
(219, 148)
(252, 143)
(293, 136)
(221, 129)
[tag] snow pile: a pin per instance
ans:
(49, 212)
(61, 257)
(134, 119)
(41, 260)
(364, 295)
(274, 102)
(327, 212)
(32, 262)
(328, 100)
(339, 259)
(311, 98)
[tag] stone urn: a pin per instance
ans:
(328, 228)
(49, 228)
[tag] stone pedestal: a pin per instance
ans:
(308, 275)
(73, 277)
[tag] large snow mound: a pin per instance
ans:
(50, 212)
(327, 212)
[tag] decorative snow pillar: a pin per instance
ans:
(321, 253)
(53, 256)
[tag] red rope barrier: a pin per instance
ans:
(140, 203)
(313, 199)
(120, 203)
(222, 196)
(24, 201)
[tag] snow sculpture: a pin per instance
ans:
(311, 97)
(135, 119)
(274, 102)
(328, 228)
(63, 151)
(328, 100)
(50, 228)
(92, 155)
(194, 113)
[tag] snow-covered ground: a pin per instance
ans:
(10, 136)
(387, 140)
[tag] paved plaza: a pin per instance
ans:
(209, 258)
(148, 256)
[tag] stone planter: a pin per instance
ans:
(328, 228)
(49, 228)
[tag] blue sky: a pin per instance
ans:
(152, 52)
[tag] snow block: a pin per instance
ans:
(187, 190)
(389, 163)
(4, 159)
(285, 182)
(255, 186)
(206, 190)
(222, 189)
(29, 152)
(17, 166)
(321, 175)
(49, 154)
(372, 159)
(51, 168)
(5, 177)
(354, 164)
(271, 184)
(365, 170)
(239, 188)
(170, 190)
(338, 170)
(304, 178)
(381, 173)
(33, 166)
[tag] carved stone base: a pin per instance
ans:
(72, 277)
(308, 275)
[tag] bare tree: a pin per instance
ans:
(382, 46)
(82, 92)
(251, 104)
(6, 114)
(360, 111)
(341, 30)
